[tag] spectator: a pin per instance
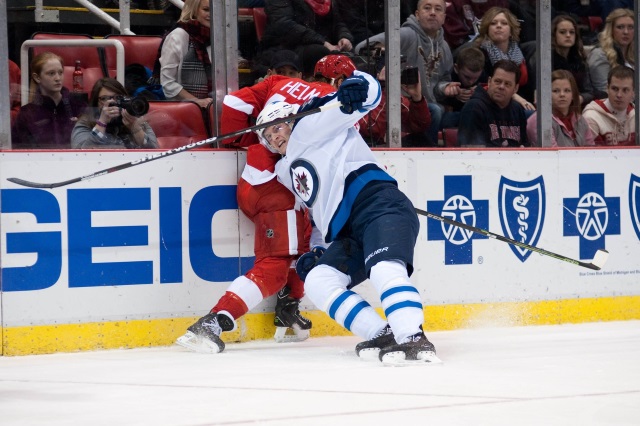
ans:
(463, 19)
(14, 90)
(467, 72)
(414, 113)
(498, 39)
(569, 127)
(612, 120)
(184, 62)
(422, 44)
(491, 117)
(285, 62)
(47, 121)
(311, 28)
(616, 47)
(105, 125)
(364, 18)
(568, 54)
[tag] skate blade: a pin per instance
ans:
(197, 344)
(397, 359)
(290, 335)
(371, 354)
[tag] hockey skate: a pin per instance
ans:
(369, 350)
(290, 325)
(203, 336)
(417, 350)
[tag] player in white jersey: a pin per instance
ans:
(371, 225)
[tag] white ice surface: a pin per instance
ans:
(585, 374)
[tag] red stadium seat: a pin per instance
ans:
(260, 21)
(177, 123)
(92, 66)
(450, 137)
(138, 49)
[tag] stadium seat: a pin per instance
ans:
(177, 123)
(260, 21)
(138, 49)
(450, 137)
(92, 66)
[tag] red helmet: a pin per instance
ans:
(334, 66)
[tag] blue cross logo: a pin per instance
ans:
(592, 216)
(459, 205)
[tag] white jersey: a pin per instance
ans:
(328, 163)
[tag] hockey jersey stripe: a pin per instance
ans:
(353, 313)
(354, 183)
(402, 305)
(293, 232)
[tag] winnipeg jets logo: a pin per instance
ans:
(522, 207)
(300, 181)
(634, 203)
(592, 216)
(305, 181)
(458, 208)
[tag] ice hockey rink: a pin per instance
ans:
(573, 374)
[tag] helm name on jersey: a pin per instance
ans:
(305, 181)
(299, 90)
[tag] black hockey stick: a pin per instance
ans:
(598, 260)
(173, 151)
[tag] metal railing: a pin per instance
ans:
(24, 57)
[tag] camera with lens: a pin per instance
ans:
(135, 105)
(409, 75)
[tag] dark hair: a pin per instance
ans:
(508, 66)
(578, 47)
(105, 83)
(89, 116)
(470, 58)
(575, 106)
(621, 72)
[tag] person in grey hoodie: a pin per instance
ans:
(422, 44)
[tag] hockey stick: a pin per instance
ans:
(174, 151)
(598, 260)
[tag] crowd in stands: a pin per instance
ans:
(475, 64)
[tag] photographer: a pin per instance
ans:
(414, 114)
(113, 120)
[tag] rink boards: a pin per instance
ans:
(130, 258)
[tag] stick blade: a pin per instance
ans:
(26, 183)
(600, 258)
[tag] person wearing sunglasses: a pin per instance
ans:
(105, 125)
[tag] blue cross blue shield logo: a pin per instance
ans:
(592, 215)
(522, 206)
(634, 203)
(458, 205)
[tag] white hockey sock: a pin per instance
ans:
(400, 299)
(326, 287)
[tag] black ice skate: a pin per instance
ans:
(417, 350)
(370, 349)
(291, 326)
(203, 336)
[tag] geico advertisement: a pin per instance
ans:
(165, 237)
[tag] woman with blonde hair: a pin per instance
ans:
(568, 128)
(616, 47)
(498, 38)
(184, 61)
(47, 120)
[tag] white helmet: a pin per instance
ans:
(270, 112)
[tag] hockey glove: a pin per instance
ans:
(352, 93)
(308, 261)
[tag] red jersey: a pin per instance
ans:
(242, 107)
